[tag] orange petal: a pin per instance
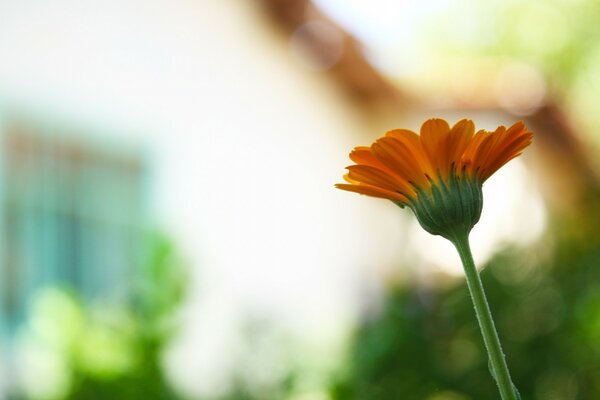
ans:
(434, 133)
(363, 155)
(499, 147)
(350, 180)
(506, 151)
(401, 134)
(372, 191)
(486, 148)
(378, 178)
(468, 158)
(400, 158)
(458, 139)
(413, 142)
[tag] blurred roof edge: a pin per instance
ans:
(371, 87)
(353, 71)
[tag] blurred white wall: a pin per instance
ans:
(247, 145)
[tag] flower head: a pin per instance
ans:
(439, 173)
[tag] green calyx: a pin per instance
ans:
(450, 208)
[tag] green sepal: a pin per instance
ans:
(450, 207)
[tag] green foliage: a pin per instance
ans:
(160, 290)
(426, 345)
(145, 381)
(109, 351)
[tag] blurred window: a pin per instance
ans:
(70, 215)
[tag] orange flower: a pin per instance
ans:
(442, 168)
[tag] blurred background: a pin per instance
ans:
(169, 227)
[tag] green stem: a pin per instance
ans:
(486, 323)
